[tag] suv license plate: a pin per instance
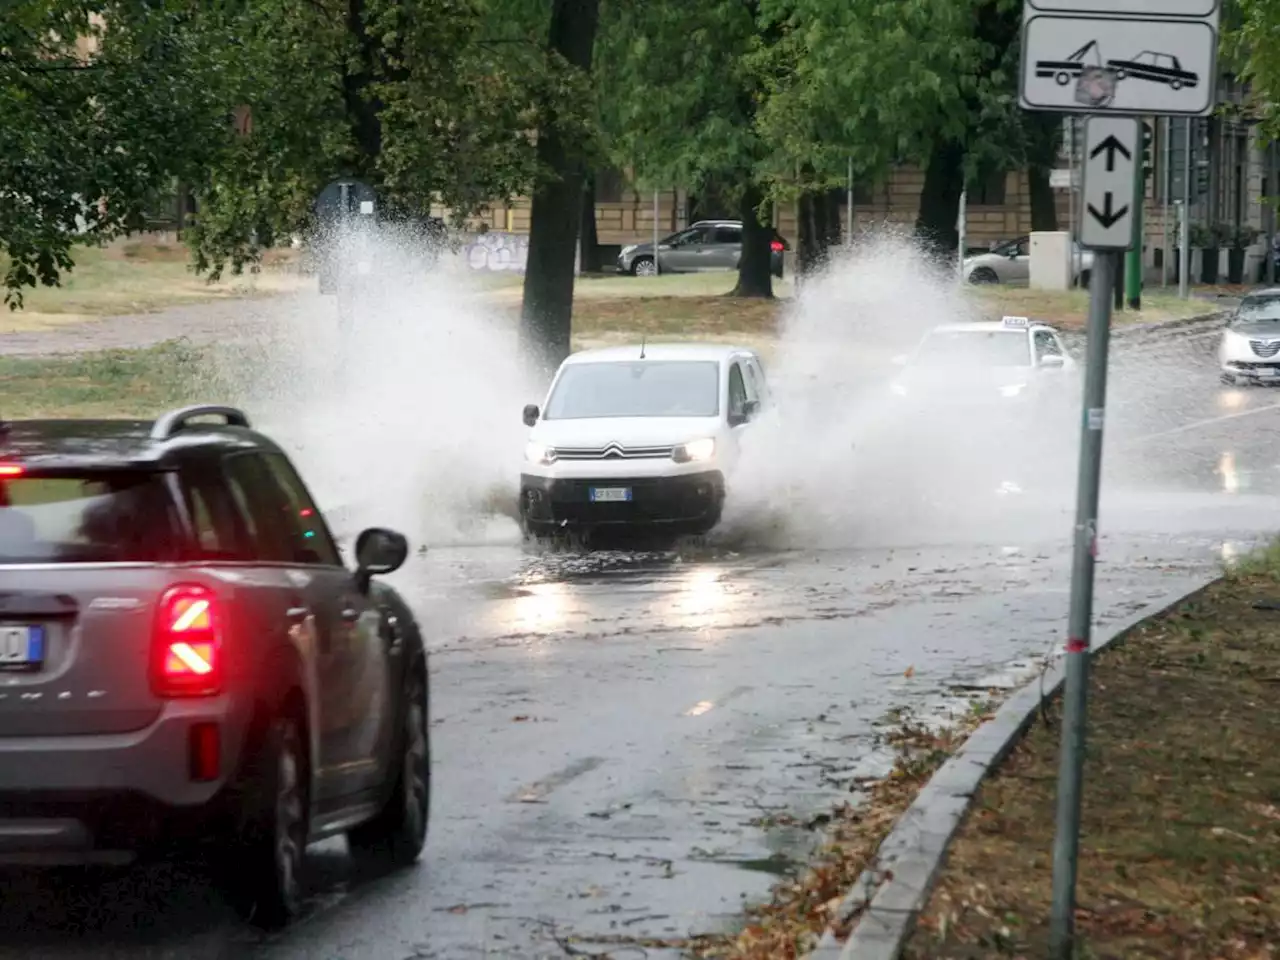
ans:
(21, 648)
(610, 494)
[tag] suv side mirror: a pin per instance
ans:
(531, 414)
(379, 551)
(750, 409)
(1052, 360)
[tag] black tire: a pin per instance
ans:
(983, 275)
(264, 867)
(396, 836)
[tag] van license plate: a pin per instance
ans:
(610, 494)
(21, 648)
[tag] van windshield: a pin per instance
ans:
(636, 388)
(89, 517)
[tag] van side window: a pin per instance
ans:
(737, 393)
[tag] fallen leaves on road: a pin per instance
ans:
(791, 924)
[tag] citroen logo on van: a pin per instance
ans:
(612, 451)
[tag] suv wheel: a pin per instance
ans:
(266, 867)
(644, 267)
(983, 275)
(396, 836)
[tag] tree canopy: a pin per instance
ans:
(89, 138)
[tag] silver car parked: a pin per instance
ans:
(1010, 262)
(706, 246)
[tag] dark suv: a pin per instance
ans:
(184, 657)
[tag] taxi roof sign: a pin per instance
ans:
(1016, 321)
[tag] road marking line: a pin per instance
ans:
(1196, 424)
(537, 792)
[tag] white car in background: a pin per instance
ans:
(1249, 351)
(1012, 364)
(639, 436)
(1010, 262)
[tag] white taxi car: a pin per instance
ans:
(639, 435)
(963, 364)
(1249, 351)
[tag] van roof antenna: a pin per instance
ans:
(643, 339)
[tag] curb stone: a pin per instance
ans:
(885, 901)
(1160, 326)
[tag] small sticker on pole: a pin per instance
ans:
(1095, 417)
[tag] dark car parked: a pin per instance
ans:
(707, 245)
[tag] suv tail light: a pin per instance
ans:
(776, 246)
(186, 659)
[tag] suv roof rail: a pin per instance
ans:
(170, 423)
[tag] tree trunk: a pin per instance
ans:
(755, 276)
(588, 238)
(820, 230)
(807, 243)
(547, 313)
(1045, 130)
(940, 199)
(1044, 206)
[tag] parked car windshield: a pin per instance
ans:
(636, 388)
(116, 517)
(977, 348)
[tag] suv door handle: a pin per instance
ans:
(349, 614)
(297, 613)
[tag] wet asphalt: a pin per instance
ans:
(617, 734)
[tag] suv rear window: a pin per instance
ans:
(98, 517)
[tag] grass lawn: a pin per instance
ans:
(104, 384)
(1069, 309)
(1180, 846)
(137, 277)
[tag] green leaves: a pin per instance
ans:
(89, 138)
(432, 101)
(1251, 41)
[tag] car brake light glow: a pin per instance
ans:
(11, 470)
(187, 658)
(776, 246)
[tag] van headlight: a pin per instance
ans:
(629, 249)
(694, 450)
(1012, 389)
(536, 452)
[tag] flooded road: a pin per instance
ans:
(615, 734)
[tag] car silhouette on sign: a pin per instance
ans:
(1156, 68)
(1062, 71)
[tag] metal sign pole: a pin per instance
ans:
(848, 240)
(656, 268)
(1071, 772)
(1166, 183)
(1185, 32)
(962, 229)
(1111, 194)
(1184, 239)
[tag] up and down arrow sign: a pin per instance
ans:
(1110, 182)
